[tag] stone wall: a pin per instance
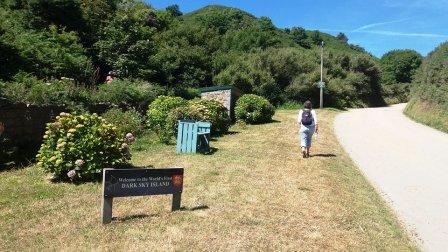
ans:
(222, 96)
(25, 125)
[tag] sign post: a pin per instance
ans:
(321, 83)
(140, 182)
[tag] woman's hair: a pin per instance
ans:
(308, 105)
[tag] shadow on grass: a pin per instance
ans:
(133, 217)
(215, 136)
(143, 216)
(212, 151)
(262, 123)
(14, 157)
(196, 208)
(9, 166)
(324, 155)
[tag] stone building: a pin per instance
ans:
(226, 95)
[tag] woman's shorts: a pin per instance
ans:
(306, 134)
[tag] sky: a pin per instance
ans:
(377, 25)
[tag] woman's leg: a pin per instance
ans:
(309, 140)
(303, 141)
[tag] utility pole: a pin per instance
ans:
(321, 83)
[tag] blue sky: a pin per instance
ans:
(377, 25)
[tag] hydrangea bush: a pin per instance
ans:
(165, 112)
(201, 110)
(80, 146)
(127, 121)
(254, 109)
(158, 114)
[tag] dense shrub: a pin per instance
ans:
(398, 69)
(28, 89)
(187, 93)
(126, 91)
(254, 109)
(396, 93)
(129, 121)
(429, 92)
(65, 92)
(210, 111)
(158, 114)
(80, 146)
(200, 110)
(399, 66)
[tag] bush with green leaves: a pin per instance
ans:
(126, 92)
(78, 147)
(396, 93)
(25, 88)
(200, 110)
(210, 111)
(129, 121)
(158, 114)
(28, 89)
(254, 109)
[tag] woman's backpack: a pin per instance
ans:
(307, 117)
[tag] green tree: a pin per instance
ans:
(62, 13)
(300, 37)
(316, 38)
(430, 82)
(342, 37)
(127, 42)
(367, 65)
(399, 66)
(96, 14)
(174, 10)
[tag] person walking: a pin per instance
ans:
(308, 126)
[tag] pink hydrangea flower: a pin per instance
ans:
(71, 174)
(130, 138)
(79, 162)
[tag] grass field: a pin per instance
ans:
(429, 114)
(254, 193)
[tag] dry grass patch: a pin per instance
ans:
(254, 193)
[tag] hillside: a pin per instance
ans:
(166, 50)
(429, 101)
(283, 64)
(226, 19)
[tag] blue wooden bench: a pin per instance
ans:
(193, 136)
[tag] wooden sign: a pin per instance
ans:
(140, 182)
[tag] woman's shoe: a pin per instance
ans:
(304, 154)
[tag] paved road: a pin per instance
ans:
(407, 162)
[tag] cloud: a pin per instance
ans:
(416, 3)
(365, 27)
(392, 33)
